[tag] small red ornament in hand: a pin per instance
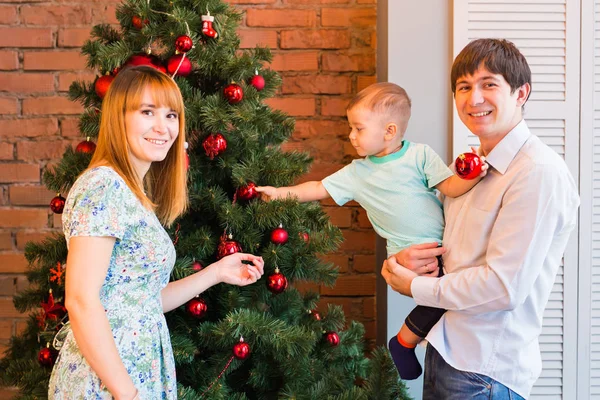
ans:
(45, 356)
(183, 43)
(247, 192)
(196, 307)
(468, 165)
(258, 82)
(279, 235)
(138, 23)
(102, 84)
(277, 282)
(332, 338)
(57, 204)
(241, 350)
(87, 146)
(233, 93)
(207, 26)
(228, 246)
(214, 145)
(173, 64)
(196, 266)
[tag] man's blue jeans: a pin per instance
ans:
(443, 382)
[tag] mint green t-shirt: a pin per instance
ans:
(397, 191)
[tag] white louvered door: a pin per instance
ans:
(548, 33)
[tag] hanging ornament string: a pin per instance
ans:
(187, 29)
(218, 377)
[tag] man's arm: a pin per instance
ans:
(531, 217)
(307, 191)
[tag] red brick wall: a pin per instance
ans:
(324, 50)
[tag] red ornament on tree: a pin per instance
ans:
(57, 204)
(277, 282)
(247, 192)
(52, 310)
(196, 266)
(233, 93)
(87, 146)
(258, 82)
(468, 165)
(332, 338)
(241, 350)
(144, 59)
(315, 314)
(207, 26)
(304, 236)
(183, 43)
(196, 307)
(228, 246)
(214, 145)
(174, 67)
(102, 84)
(45, 356)
(279, 235)
(138, 23)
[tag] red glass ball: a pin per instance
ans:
(279, 236)
(184, 43)
(468, 165)
(304, 236)
(258, 82)
(332, 338)
(57, 204)
(196, 307)
(87, 146)
(196, 266)
(102, 84)
(227, 247)
(277, 282)
(214, 145)
(138, 23)
(315, 314)
(186, 65)
(241, 350)
(144, 59)
(233, 93)
(247, 192)
(45, 357)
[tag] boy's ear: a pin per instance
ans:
(391, 129)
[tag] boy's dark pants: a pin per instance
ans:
(421, 319)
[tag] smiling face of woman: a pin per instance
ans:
(151, 131)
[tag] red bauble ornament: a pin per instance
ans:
(214, 145)
(183, 43)
(186, 65)
(277, 282)
(207, 26)
(144, 59)
(332, 338)
(315, 314)
(241, 350)
(247, 192)
(304, 236)
(102, 84)
(228, 246)
(57, 204)
(138, 23)
(196, 307)
(87, 146)
(233, 93)
(258, 82)
(196, 266)
(279, 235)
(45, 357)
(468, 165)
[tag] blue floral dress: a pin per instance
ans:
(101, 204)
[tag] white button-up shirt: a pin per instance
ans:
(505, 240)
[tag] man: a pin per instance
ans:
(504, 240)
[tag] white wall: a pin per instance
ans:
(417, 55)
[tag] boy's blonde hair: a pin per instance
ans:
(165, 183)
(386, 99)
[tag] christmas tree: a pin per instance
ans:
(263, 341)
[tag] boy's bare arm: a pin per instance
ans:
(307, 191)
(455, 186)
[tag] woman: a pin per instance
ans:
(120, 257)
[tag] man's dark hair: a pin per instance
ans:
(499, 56)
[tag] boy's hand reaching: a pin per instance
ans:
(484, 165)
(267, 193)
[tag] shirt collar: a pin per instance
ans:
(505, 151)
(392, 156)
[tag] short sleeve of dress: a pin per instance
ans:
(97, 205)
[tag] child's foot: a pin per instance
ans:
(405, 359)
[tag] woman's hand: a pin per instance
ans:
(230, 269)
